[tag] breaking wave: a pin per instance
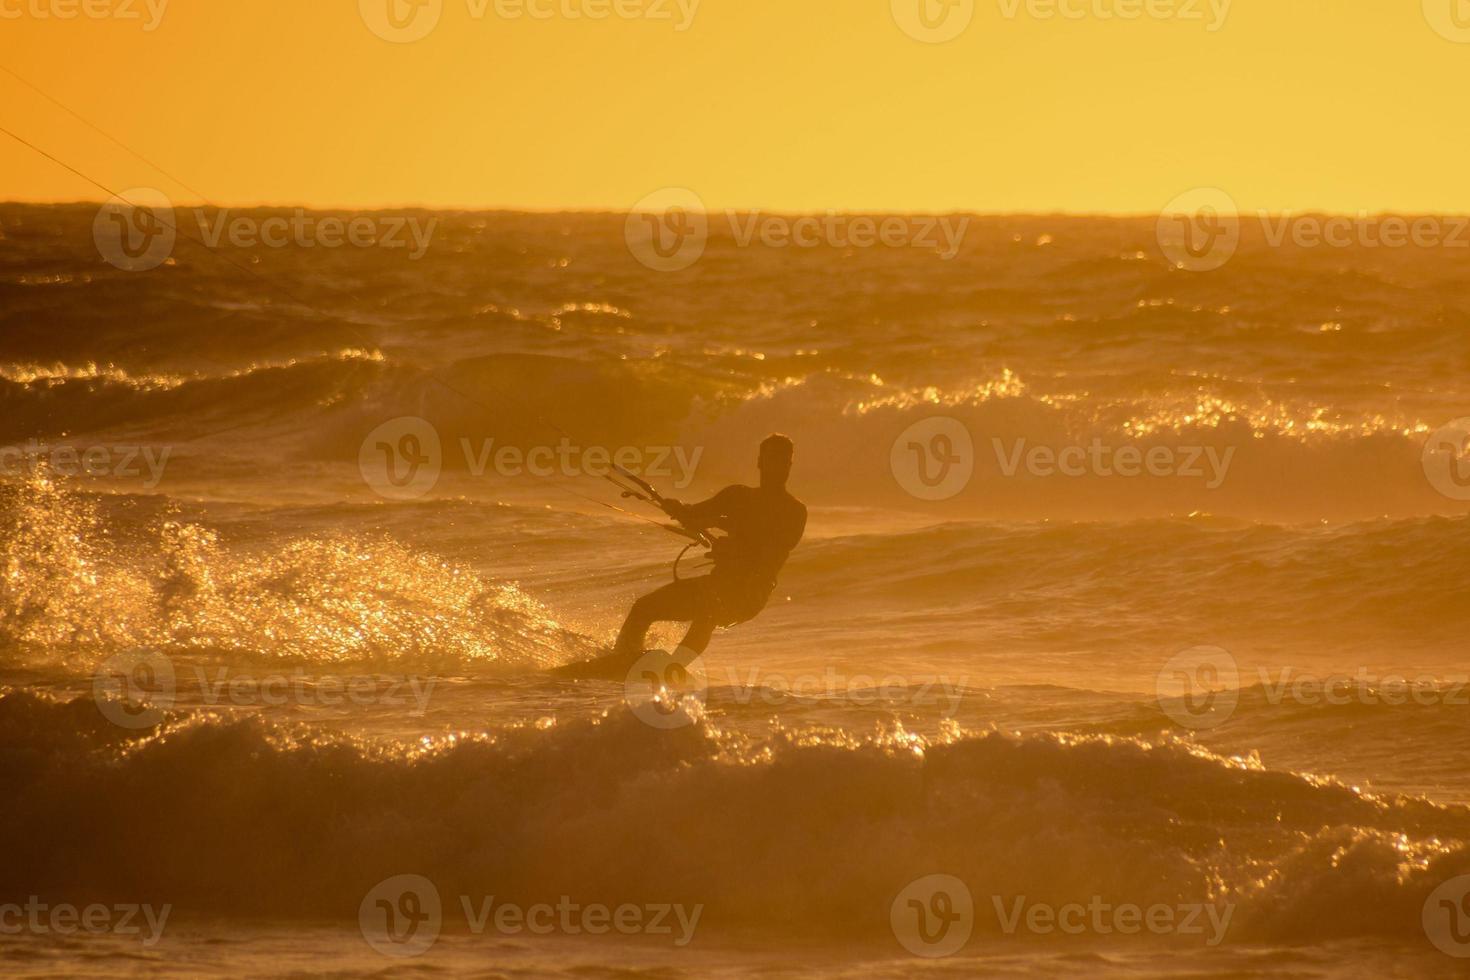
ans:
(788, 832)
(85, 576)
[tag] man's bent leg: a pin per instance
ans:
(679, 601)
(701, 631)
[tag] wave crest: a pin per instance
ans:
(799, 833)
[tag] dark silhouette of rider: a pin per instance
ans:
(761, 524)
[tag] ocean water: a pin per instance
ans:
(272, 656)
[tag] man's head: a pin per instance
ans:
(775, 461)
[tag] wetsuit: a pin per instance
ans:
(761, 528)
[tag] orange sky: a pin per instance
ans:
(1342, 105)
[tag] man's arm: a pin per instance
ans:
(703, 515)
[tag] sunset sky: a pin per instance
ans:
(1342, 105)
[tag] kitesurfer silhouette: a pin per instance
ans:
(761, 526)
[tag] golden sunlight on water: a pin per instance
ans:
(726, 488)
(323, 599)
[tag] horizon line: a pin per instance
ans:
(783, 212)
